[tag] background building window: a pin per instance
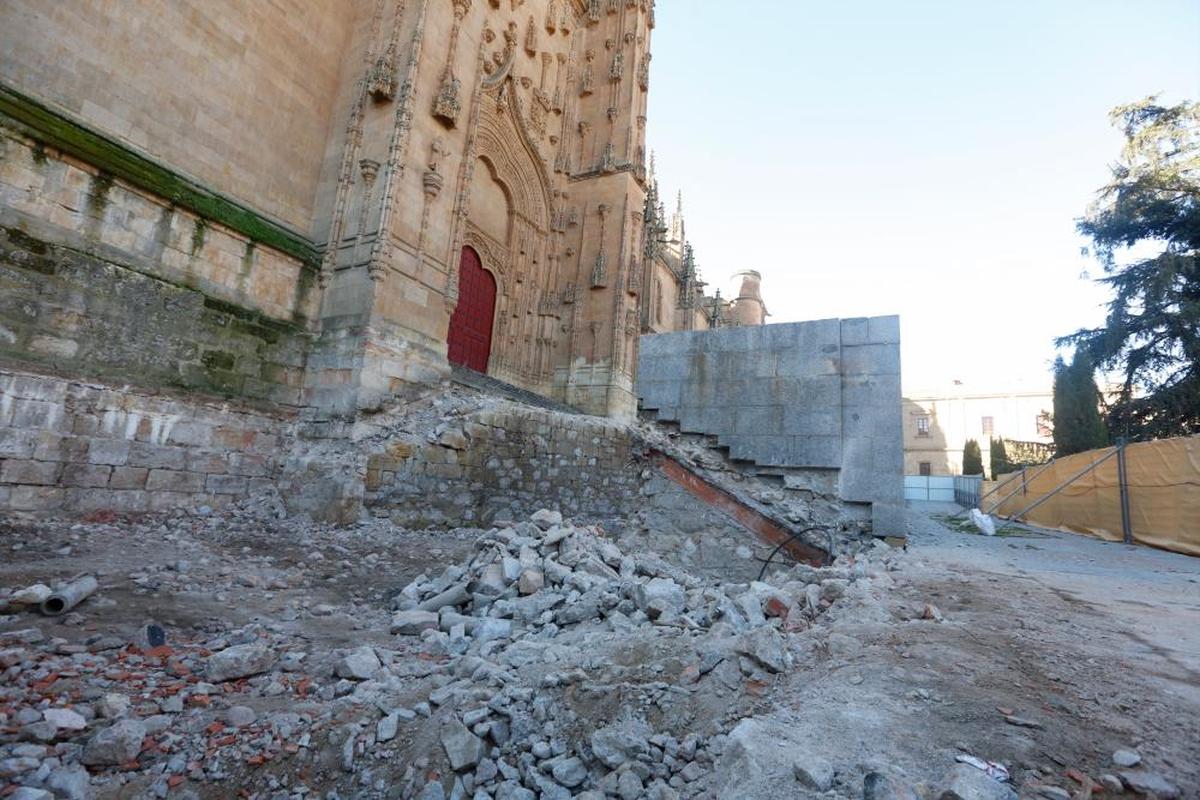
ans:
(926, 469)
(988, 425)
(1044, 425)
(922, 426)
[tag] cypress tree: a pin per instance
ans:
(999, 458)
(972, 458)
(1078, 425)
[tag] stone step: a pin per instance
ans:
(487, 384)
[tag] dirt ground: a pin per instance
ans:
(1043, 651)
(1097, 644)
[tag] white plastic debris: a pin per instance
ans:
(991, 768)
(984, 522)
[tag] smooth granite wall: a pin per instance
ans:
(821, 395)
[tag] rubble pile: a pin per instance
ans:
(534, 625)
(542, 663)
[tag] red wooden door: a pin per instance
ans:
(470, 337)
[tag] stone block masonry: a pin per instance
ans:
(820, 396)
(506, 464)
(102, 282)
(79, 447)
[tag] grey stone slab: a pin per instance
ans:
(758, 420)
(656, 394)
(712, 420)
(816, 451)
(884, 330)
(799, 420)
(871, 359)
(889, 519)
(856, 331)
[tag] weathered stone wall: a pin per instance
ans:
(238, 94)
(505, 465)
(821, 395)
(99, 280)
(77, 447)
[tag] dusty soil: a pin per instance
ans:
(1091, 647)
(1097, 644)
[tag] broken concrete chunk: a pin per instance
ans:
(546, 519)
(878, 786)
(965, 782)
(30, 793)
(531, 581)
(239, 661)
(1151, 783)
(112, 705)
(359, 664)
(463, 748)
(660, 596)
(240, 716)
(618, 743)
(65, 719)
(69, 783)
(30, 595)
(387, 728)
(412, 623)
(813, 772)
(765, 647)
(570, 773)
(492, 582)
(454, 596)
(117, 744)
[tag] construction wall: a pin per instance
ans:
(1163, 480)
(822, 396)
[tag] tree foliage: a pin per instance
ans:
(1145, 230)
(998, 455)
(1078, 425)
(972, 458)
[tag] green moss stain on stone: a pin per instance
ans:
(57, 130)
(141, 328)
(247, 268)
(24, 251)
(199, 228)
(98, 191)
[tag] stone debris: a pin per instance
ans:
(538, 659)
(1149, 783)
(965, 782)
(239, 661)
(1126, 758)
(528, 669)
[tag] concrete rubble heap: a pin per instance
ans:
(547, 663)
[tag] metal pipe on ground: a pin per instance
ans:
(69, 595)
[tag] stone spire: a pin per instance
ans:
(677, 229)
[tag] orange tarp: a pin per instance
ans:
(1164, 494)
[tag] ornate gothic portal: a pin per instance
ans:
(508, 223)
(470, 337)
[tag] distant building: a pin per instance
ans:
(938, 423)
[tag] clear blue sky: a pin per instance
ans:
(926, 158)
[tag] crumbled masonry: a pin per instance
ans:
(543, 662)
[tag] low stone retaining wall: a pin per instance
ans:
(74, 446)
(507, 464)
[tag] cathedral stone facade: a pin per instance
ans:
(324, 205)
